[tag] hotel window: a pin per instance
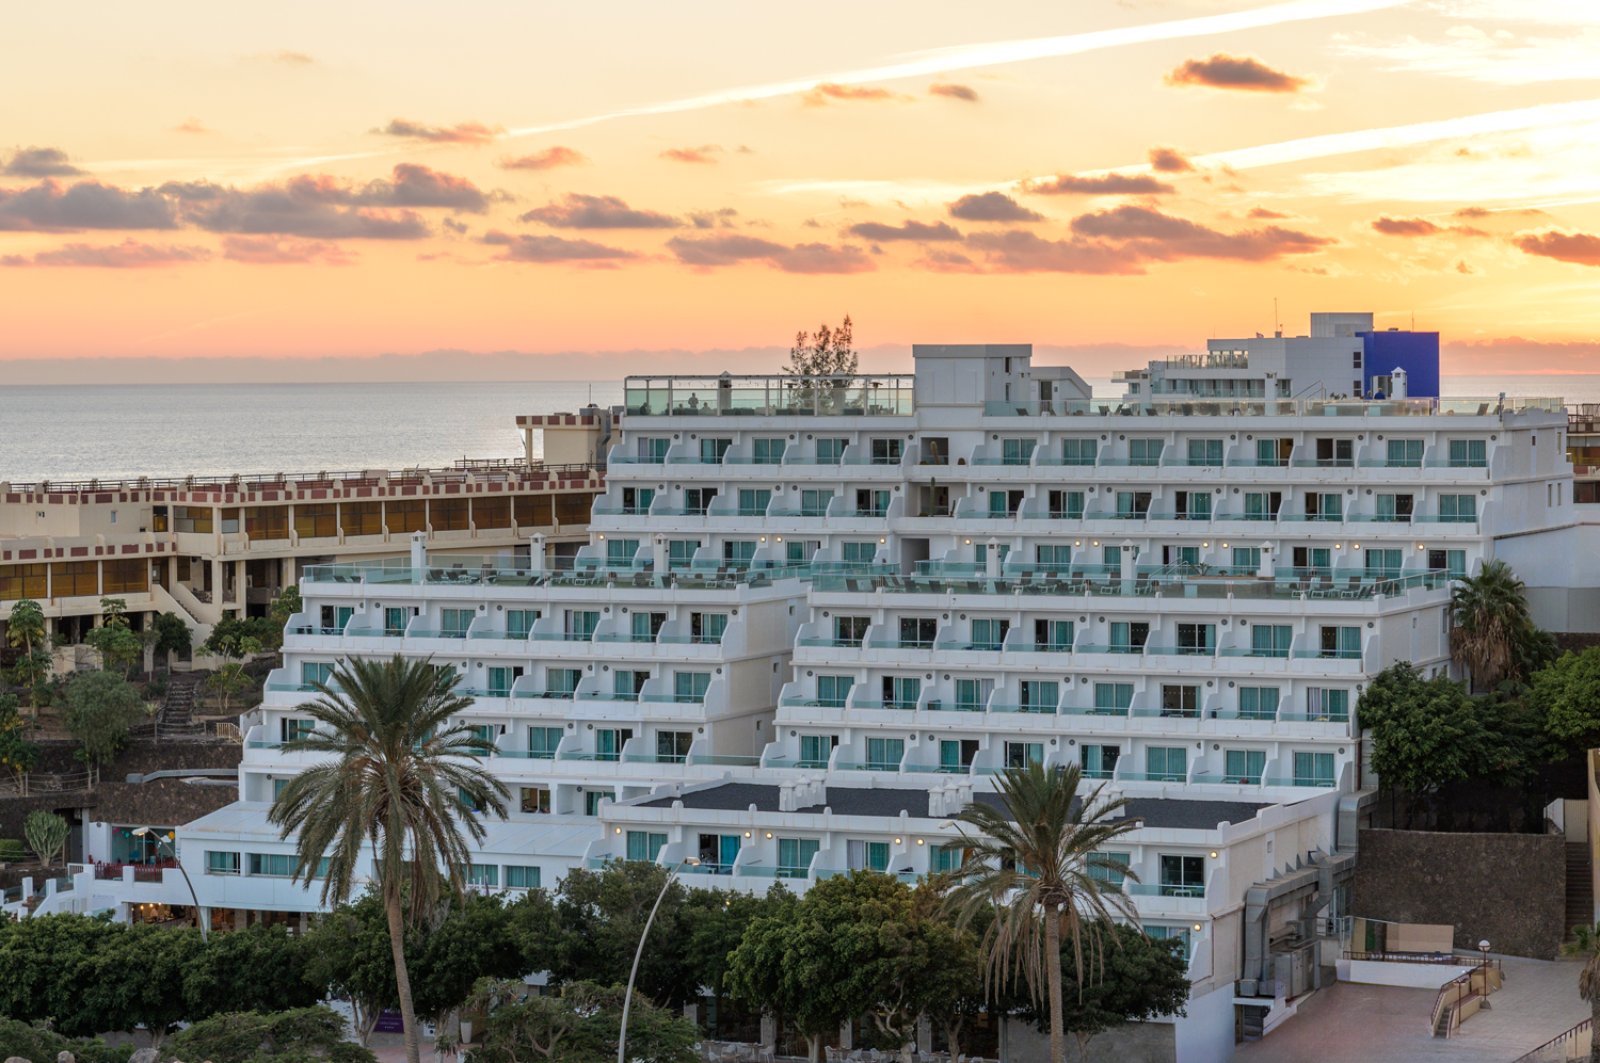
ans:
(486, 876)
(645, 845)
(1324, 506)
(867, 856)
(1323, 703)
(707, 628)
(1022, 754)
(1144, 451)
(263, 523)
(1274, 453)
(408, 516)
(1394, 509)
(1066, 505)
(1193, 505)
(1053, 636)
(274, 865)
(980, 553)
(680, 553)
(1270, 640)
(801, 551)
(1040, 695)
(529, 511)
(542, 742)
(918, 632)
(453, 623)
(23, 581)
(696, 500)
(795, 856)
(886, 451)
(1057, 557)
(130, 576)
(1132, 505)
(592, 799)
(753, 501)
(1098, 761)
(1112, 698)
(1343, 643)
(315, 673)
(1450, 562)
(1384, 564)
(483, 734)
(948, 858)
(447, 514)
(653, 449)
(1110, 868)
(573, 507)
(627, 684)
(1197, 640)
(815, 750)
(1205, 452)
(221, 863)
(870, 503)
(833, 690)
(814, 503)
(1166, 763)
(1458, 509)
(885, 754)
(1313, 769)
(620, 552)
(935, 450)
(672, 747)
(1404, 454)
(1313, 561)
(1335, 453)
(901, 692)
(767, 451)
(1468, 454)
(1128, 636)
(395, 619)
(1181, 935)
(486, 513)
(534, 800)
(75, 579)
(1180, 700)
(1246, 560)
(850, 630)
(1183, 876)
(580, 624)
(608, 743)
(1244, 766)
(1258, 703)
(1262, 505)
(1078, 451)
(713, 449)
(831, 451)
(522, 877)
(719, 851)
(295, 728)
(972, 695)
(858, 553)
(957, 754)
(519, 622)
(635, 500)
(989, 634)
(1017, 451)
(561, 682)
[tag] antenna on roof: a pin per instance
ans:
(1277, 326)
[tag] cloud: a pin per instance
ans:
(48, 207)
(578, 211)
(712, 251)
(1462, 267)
(130, 254)
(992, 206)
(1263, 214)
(272, 251)
(1169, 160)
(1420, 227)
(548, 159)
(1499, 58)
(713, 219)
(832, 90)
(952, 91)
(1580, 248)
(911, 230)
(1234, 72)
(1161, 237)
(39, 162)
(555, 249)
(192, 126)
(1108, 184)
(318, 207)
(457, 227)
(705, 154)
(415, 185)
(460, 133)
(1019, 251)
(288, 58)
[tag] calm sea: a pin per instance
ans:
(88, 431)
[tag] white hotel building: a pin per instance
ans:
(815, 618)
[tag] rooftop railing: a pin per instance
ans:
(1286, 587)
(775, 395)
(466, 469)
(460, 570)
(1190, 406)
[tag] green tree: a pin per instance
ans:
(18, 752)
(285, 603)
(350, 954)
(578, 1026)
(1425, 732)
(136, 979)
(47, 960)
(1033, 859)
(235, 637)
(38, 1041)
(47, 835)
(295, 1036)
(259, 968)
(472, 940)
(402, 777)
(713, 923)
(1490, 627)
(119, 647)
(1142, 979)
(1568, 694)
(25, 630)
(100, 709)
(601, 914)
(173, 636)
(828, 352)
(231, 680)
(1585, 945)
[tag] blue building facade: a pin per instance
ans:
(1415, 352)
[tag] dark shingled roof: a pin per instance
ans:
(1159, 812)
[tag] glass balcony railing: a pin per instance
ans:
(769, 395)
(1165, 889)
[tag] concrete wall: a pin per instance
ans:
(1509, 888)
(1136, 1042)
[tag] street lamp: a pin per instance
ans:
(1483, 947)
(622, 1037)
(161, 839)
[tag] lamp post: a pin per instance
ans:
(627, 999)
(160, 839)
(1483, 947)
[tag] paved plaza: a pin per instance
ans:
(1353, 1023)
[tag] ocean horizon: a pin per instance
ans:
(97, 431)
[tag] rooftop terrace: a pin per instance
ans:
(777, 394)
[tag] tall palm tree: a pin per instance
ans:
(402, 777)
(1032, 858)
(1585, 945)
(1488, 620)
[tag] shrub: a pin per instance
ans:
(303, 1034)
(12, 849)
(39, 1043)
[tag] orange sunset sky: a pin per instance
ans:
(353, 179)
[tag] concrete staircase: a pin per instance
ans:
(176, 718)
(1580, 887)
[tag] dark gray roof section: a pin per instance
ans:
(1159, 812)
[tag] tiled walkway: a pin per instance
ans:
(1351, 1023)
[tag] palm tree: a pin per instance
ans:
(1033, 859)
(25, 630)
(1585, 945)
(1488, 620)
(402, 777)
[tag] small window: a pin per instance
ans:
(522, 877)
(222, 863)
